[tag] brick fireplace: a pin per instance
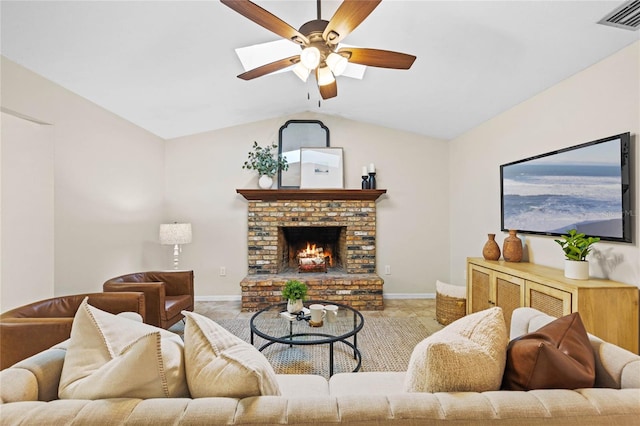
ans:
(342, 223)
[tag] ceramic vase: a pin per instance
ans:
(491, 249)
(512, 247)
(265, 182)
(294, 306)
(576, 269)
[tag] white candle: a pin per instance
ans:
(364, 170)
(372, 168)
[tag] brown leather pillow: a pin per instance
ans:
(557, 356)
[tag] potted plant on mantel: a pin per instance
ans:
(295, 292)
(576, 247)
(263, 161)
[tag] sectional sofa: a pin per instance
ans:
(29, 395)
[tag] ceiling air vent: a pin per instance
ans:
(626, 16)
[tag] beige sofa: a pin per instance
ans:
(29, 397)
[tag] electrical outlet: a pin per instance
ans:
(387, 269)
(223, 271)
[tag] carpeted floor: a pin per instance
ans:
(385, 343)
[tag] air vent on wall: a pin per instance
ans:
(626, 16)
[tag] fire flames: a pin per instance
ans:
(315, 255)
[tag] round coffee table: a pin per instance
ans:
(275, 325)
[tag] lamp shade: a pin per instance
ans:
(337, 63)
(175, 233)
(301, 71)
(325, 76)
(310, 57)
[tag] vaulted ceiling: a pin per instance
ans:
(170, 66)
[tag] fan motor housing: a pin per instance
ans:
(311, 28)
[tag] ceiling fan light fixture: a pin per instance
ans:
(301, 71)
(319, 41)
(310, 57)
(325, 76)
(337, 63)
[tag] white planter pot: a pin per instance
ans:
(265, 182)
(576, 270)
(294, 306)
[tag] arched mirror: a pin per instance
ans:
(296, 134)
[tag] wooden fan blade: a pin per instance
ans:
(379, 58)
(266, 19)
(269, 68)
(329, 91)
(348, 16)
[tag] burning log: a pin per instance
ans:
(309, 261)
(312, 259)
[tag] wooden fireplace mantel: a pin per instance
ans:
(311, 194)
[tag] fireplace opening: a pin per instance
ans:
(311, 248)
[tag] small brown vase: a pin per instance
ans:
(491, 249)
(512, 247)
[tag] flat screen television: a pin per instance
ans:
(584, 187)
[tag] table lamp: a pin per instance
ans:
(175, 234)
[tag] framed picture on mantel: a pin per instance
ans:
(321, 168)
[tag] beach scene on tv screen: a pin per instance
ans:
(576, 189)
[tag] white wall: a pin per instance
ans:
(600, 101)
(115, 183)
(27, 237)
(108, 184)
(204, 170)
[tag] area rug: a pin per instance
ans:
(386, 344)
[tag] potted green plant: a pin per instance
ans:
(295, 292)
(265, 163)
(576, 247)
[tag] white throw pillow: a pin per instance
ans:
(221, 364)
(445, 289)
(110, 356)
(467, 355)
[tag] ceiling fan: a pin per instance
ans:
(319, 42)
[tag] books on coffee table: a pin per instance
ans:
(289, 316)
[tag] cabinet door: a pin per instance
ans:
(551, 301)
(509, 294)
(479, 288)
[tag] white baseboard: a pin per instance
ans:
(237, 298)
(228, 298)
(409, 295)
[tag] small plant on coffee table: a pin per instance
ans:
(294, 292)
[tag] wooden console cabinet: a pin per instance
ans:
(608, 309)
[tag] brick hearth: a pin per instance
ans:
(361, 291)
(355, 283)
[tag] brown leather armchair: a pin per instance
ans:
(32, 328)
(167, 293)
